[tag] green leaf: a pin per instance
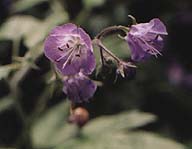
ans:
(5, 70)
(112, 132)
(51, 128)
(33, 30)
(57, 131)
(17, 26)
(93, 3)
(39, 33)
(22, 5)
(121, 140)
(6, 103)
(118, 46)
(125, 120)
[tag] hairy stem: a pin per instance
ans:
(112, 29)
(102, 47)
(102, 57)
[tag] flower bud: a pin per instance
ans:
(126, 70)
(80, 117)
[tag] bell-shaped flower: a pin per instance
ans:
(79, 87)
(146, 39)
(70, 48)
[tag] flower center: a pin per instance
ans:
(72, 42)
(71, 48)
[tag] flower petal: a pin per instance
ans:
(85, 37)
(79, 88)
(51, 48)
(63, 29)
(137, 53)
(85, 62)
(70, 48)
(145, 39)
(158, 27)
(154, 26)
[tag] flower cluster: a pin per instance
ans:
(69, 47)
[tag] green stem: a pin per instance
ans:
(134, 22)
(102, 47)
(16, 44)
(24, 140)
(105, 32)
(102, 57)
(112, 29)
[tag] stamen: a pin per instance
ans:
(60, 49)
(69, 59)
(153, 51)
(78, 51)
(157, 37)
(64, 54)
(73, 52)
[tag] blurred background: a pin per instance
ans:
(149, 110)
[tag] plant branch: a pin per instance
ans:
(102, 47)
(112, 29)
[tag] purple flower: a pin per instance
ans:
(70, 48)
(79, 87)
(145, 39)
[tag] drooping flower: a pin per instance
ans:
(79, 87)
(146, 39)
(70, 48)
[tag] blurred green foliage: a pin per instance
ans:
(104, 132)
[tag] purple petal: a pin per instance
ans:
(148, 46)
(91, 63)
(154, 26)
(70, 48)
(140, 29)
(157, 27)
(63, 29)
(84, 63)
(79, 88)
(157, 43)
(154, 40)
(137, 53)
(51, 48)
(84, 36)
(145, 39)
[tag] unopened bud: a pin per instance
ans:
(126, 70)
(80, 117)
